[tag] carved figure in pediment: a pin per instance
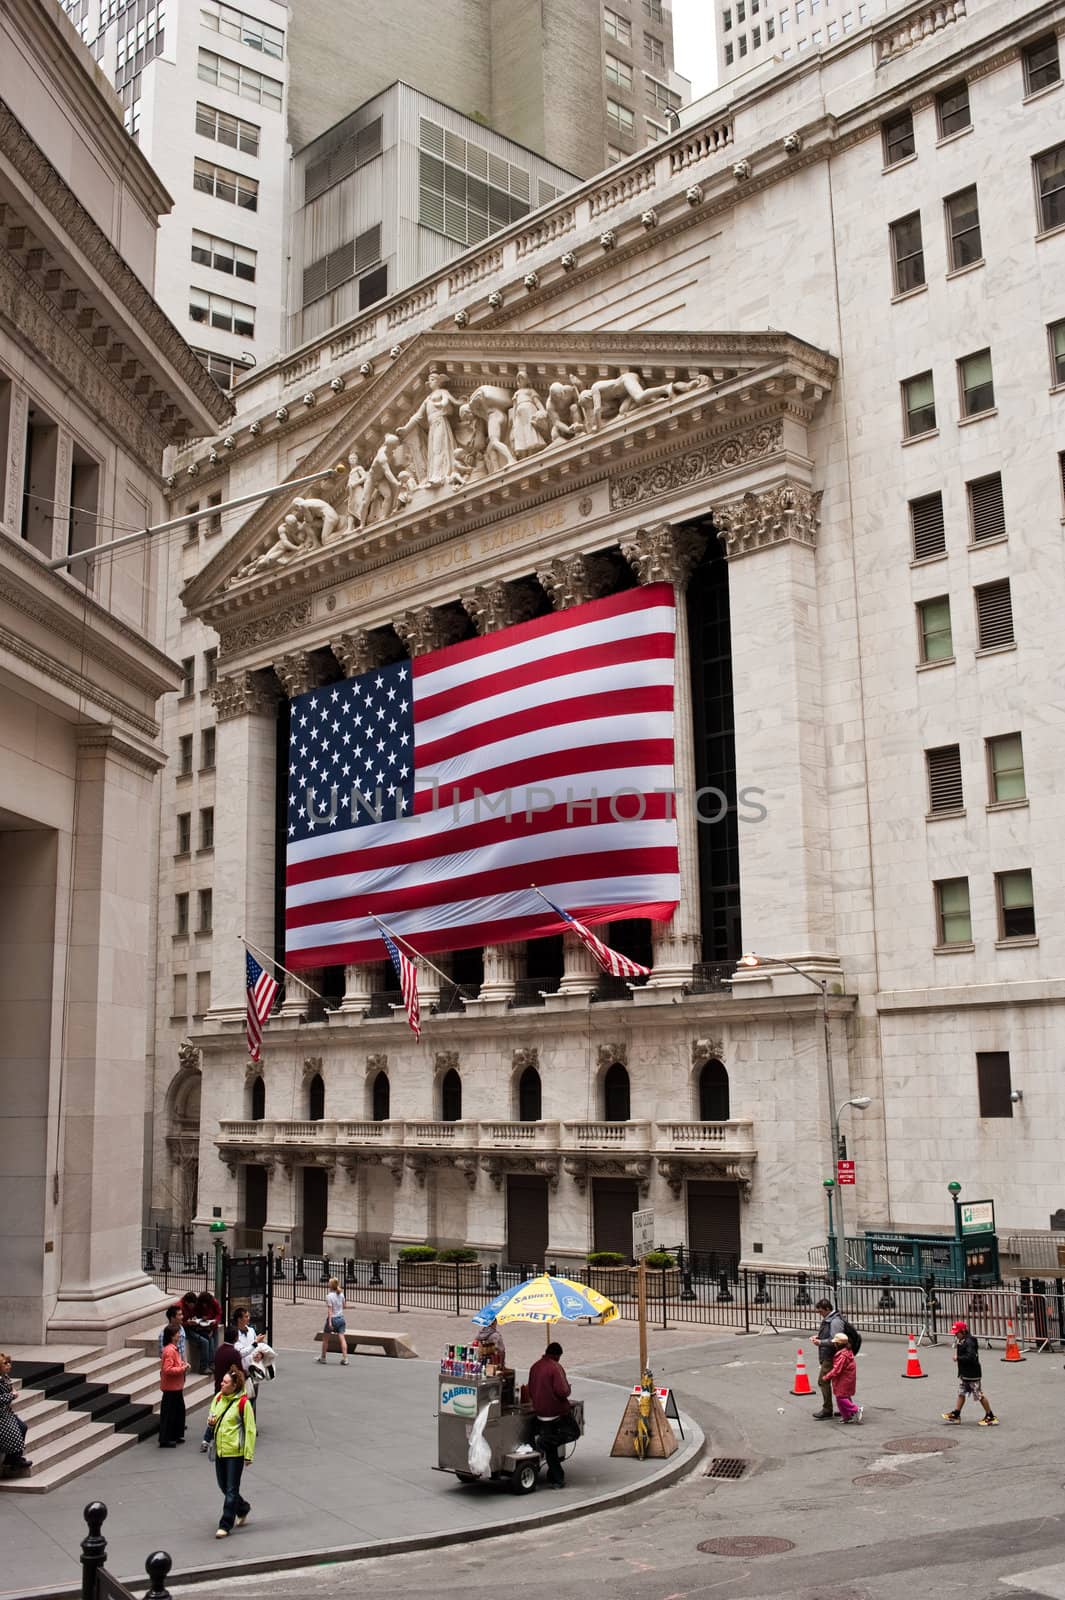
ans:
(356, 479)
(620, 394)
(530, 426)
(289, 544)
(387, 484)
(434, 418)
(490, 407)
(320, 520)
(563, 408)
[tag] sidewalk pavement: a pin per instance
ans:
(344, 1461)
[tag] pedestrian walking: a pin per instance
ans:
(12, 1428)
(172, 1370)
(232, 1424)
(247, 1343)
(970, 1373)
(334, 1321)
(227, 1355)
(844, 1379)
(831, 1324)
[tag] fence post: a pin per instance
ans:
(746, 1303)
(375, 1275)
(166, 1271)
(158, 1567)
(399, 1275)
(802, 1294)
(493, 1280)
(665, 1298)
(458, 1306)
(93, 1549)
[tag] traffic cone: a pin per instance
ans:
(802, 1379)
(1013, 1349)
(913, 1364)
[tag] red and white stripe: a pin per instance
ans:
(555, 712)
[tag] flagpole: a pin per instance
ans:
(275, 963)
(415, 955)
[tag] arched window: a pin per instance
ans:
(382, 1097)
(257, 1099)
(616, 1094)
(713, 1092)
(451, 1097)
(316, 1098)
(530, 1099)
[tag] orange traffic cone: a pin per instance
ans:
(913, 1364)
(802, 1379)
(1013, 1349)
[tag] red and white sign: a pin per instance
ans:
(844, 1171)
(663, 1394)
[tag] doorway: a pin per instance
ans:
(714, 1223)
(527, 1220)
(613, 1202)
(255, 1185)
(315, 1185)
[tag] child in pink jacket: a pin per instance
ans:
(844, 1380)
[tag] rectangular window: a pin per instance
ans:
(756, 38)
(210, 668)
(192, 530)
(771, 28)
(653, 9)
(907, 253)
(1016, 904)
(188, 677)
(1041, 64)
(963, 228)
(993, 1083)
(899, 141)
(180, 1007)
(1005, 768)
(223, 255)
(216, 311)
(205, 898)
(203, 993)
(994, 615)
(618, 72)
(726, 19)
(953, 918)
(373, 287)
(655, 131)
(225, 370)
(944, 779)
(225, 128)
(207, 749)
(214, 524)
(356, 151)
(207, 827)
(729, 55)
(181, 914)
(329, 271)
(743, 44)
(1056, 335)
(619, 116)
(987, 516)
(975, 384)
(247, 30)
(952, 110)
(184, 755)
(239, 79)
(919, 405)
(1050, 188)
(617, 27)
(933, 621)
(654, 50)
(926, 525)
(659, 95)
(184, 832)
(225, 185)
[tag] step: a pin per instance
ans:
(103, 1367)
(32, 1372)
(32, 1403)
(139, 1420)
(56, 1384)
(44, 1430)
(47, 1475)
(72, 1440)
(80, 1396)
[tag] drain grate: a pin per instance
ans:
(922, 1446)
(882, 1480)
(726, 1467)
(745, 1545)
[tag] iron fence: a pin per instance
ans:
(176, 1272)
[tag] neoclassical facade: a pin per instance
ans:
(860, 519)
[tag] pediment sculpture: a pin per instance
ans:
(454, 439)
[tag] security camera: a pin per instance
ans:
(1016, 1095)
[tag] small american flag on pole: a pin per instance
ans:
(407, 974)
(611, 961)
(262, 991)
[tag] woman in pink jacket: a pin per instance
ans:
(844, 1380)
(172, 1372)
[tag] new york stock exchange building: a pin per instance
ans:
(697, 376)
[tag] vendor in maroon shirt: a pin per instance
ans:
(549, 1393)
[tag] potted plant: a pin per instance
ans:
(463, 1261)
(663, 1265)
(610, 1273)
(418, 1265)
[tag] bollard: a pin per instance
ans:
(761, 1297)
(349, 1271)
(802, 1295)
(279, 1265)
(493, 1280)
(375, 1276)
(553, 1269)
(149, 1261)
(301, 1276)
(724, 1293)
(326, 1274)
(686, 1290)
(93, 1549)
(158, 1567)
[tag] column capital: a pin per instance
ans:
(243, 694)
(296, 672)
(573, 579)
(789, 511)
(354, 651)
(491, 606)
(428, 628)
(663, 553)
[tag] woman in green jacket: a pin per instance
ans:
(232, 1424)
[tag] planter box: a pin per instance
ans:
(440, 1274)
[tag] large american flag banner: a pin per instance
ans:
(435, 791)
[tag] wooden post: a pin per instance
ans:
(641, 1301)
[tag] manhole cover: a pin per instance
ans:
(745, 1546)
(726, 1467)
(923, 1446)
(882, 1480)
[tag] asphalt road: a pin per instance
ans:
(967, 1512)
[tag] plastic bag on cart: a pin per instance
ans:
(480, 1451)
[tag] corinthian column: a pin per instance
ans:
(665, 554)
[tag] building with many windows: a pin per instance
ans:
(750, 33)
(809, 357)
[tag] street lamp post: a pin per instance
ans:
(829, 1185)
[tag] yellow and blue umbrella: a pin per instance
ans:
(547, 1299)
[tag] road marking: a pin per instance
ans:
(1043, 1580)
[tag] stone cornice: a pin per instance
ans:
(76, 685)
(109, 743)
(144, 316)
(786, 512)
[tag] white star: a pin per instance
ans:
(380, 744)
(403, 675)
(335, 696)
(355, 689)
(403, 802)
(303, 751)
(403, 771)
(292, 771)
(314, 764)
(347, 738)
(345, 769)
(314, 733)
(311, 823)
(393, 725)
(321, 806)
(380, 712)
(325, 711)
(344, 799)
(303, 722)
(336, 727)
(391, 790)
(291, 830)
(380, 777)
(368, 762)
(332, 822)
(392, 693)
(358, 722)
(292, 738)
(378, 682)
(391, 758)
(403, 704)
(358, 750)
(314, 705)
(403, 739)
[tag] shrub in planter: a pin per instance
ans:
(416, 1252)
(659, 1258)
(457, 1253)
(606, 1258)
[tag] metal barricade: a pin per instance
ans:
(991, 1313)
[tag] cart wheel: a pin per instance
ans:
(524, 1480)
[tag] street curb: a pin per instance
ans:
(676, 1467)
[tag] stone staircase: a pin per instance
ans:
(84, 1410)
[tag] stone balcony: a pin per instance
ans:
(650, 1138)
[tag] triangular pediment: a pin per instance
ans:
(507, 416)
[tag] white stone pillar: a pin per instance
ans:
(664, 554)
(580, 972)
(360, 984)
(785, 881)
(245, 823)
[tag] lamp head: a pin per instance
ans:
(749, 960)
(217, 1227)
(828, 1183)
(863, 1102)
(955, 1188)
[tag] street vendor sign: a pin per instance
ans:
(459, 1400)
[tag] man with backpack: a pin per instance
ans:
(832, 1323)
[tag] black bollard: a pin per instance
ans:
(149, 1261)
(375, 1276)
(724, 1293)
(761, 1297)
(158, 1567)
(301, 1276)
(687, 1292)
(349, 1271)
(326, 1274)
(93, 1549)
(493, 1280)
(802, 1295)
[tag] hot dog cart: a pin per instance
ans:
(508, 1427)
